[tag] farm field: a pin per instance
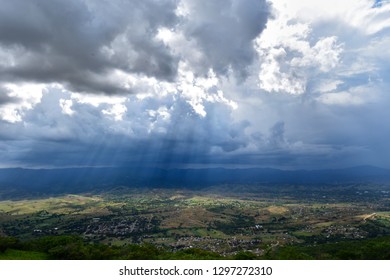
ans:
(258, 220)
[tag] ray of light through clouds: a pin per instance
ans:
(169, 83)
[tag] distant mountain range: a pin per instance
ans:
(19, 180)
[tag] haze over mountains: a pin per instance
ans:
(77, 180)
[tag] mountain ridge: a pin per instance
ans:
(110, 176)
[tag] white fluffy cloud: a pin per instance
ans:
(290, 56)
(20, 97)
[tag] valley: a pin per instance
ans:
(226, 219)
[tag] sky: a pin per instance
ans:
(289, 84)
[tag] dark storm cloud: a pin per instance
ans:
(51, 138)
(277, 138)
(5, 98)
(79, 42)
(56, 55)
(225, 29)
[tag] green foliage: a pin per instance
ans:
(370, 249)
(74, 248)
(12, 254)
(195, 254)
(47, 243)
(245, 255)
(289, 253)
(142, 252)
(8, 243)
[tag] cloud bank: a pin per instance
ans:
(288, 84)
